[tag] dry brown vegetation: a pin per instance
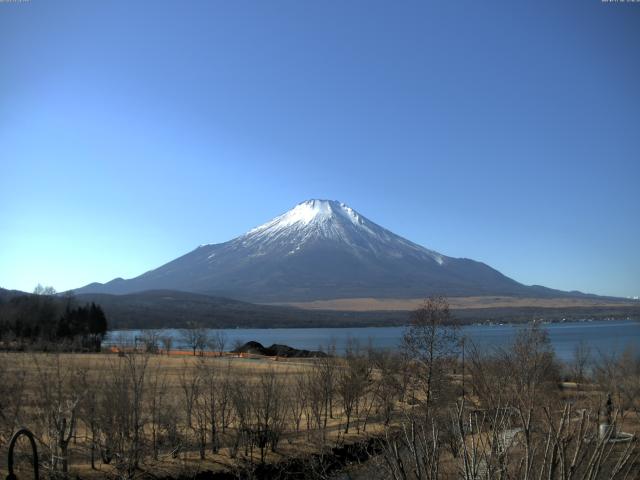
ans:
(512, 418)
(459, 303)
(124, 415)
(500, 414)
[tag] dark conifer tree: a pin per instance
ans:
(47, 318)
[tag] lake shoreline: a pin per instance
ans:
(601, 335)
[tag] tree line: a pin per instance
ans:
(45, 320)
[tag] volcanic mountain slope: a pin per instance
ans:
(318, 250)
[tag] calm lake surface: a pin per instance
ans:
(602, 336)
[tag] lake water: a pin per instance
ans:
(601, 336)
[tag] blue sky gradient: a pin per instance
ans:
(506, 132)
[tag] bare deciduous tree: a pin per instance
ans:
(196, 338)
(156, 404)
(13, 378)
(268, 406)
(431, 342)
(353, 379)
(57, 407)
(388, 384)
(167, 343)
(151, 341)
(580, 362)
(218, 342)
(299, 400)
(122, 412)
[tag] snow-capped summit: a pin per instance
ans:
(311, 211)
(320, 249)
(316, 212)
(315, 221)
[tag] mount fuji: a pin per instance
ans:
(321, 249)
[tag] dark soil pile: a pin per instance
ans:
(276, 350)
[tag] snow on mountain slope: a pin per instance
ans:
(330, 221)
(320, 249)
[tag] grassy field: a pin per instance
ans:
(458, 303)
(152, 415)
(178, 376)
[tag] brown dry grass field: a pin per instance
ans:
(175, 370)
(403, 304)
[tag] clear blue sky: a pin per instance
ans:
(507, 132)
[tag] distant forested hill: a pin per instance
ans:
(174, 309)
(165, 308)
(169, 308)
